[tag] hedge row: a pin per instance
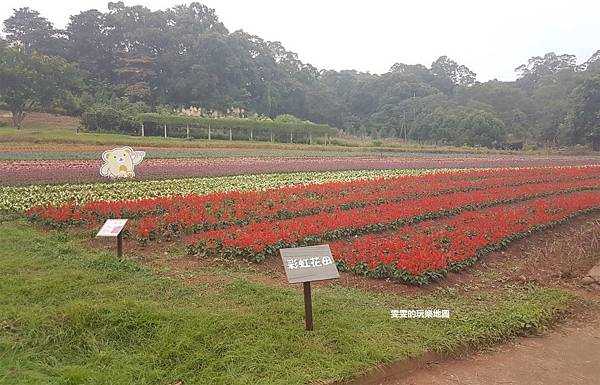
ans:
(275, 128)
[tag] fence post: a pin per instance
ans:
(291, 136)
(142, 129)
(165, 130)
(209, 132)
(187, 131)
(251, 136)
(230, 136)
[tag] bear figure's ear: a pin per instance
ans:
(106, 154)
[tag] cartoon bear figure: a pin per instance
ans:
(119, 162)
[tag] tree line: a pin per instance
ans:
(185, 56)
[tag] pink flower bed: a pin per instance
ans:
(63, 171)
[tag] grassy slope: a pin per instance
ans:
(35, 135)
(70, 316)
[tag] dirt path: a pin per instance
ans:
(566, 356)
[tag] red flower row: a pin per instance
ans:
(420, 252)
(191, 213)
(261, 238)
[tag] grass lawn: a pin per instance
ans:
(38, 133)
(37, 136)
(40, 141)
(75, 316)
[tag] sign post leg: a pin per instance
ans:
(308, 306)
(120, 245)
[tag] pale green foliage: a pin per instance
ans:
(22, 198)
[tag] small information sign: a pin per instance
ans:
(112, 228)
(312, 263)
(307, 264)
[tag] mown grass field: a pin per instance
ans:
(41, 132)
(70, 315)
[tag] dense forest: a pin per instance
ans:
(137, 60)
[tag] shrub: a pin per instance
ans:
(116, 116)
(287, 118)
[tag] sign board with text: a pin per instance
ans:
(311, 263)
(112, 228)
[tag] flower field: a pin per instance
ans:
(411, 228)
(21, 198)
(425, 251)
(25, 172)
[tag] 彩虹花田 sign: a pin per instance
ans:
(112, 228)
(306, 264)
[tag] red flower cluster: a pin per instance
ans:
(192, 213)
(415, 253)
(409, 228)
(262, 237)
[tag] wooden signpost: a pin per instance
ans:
(114, 228)
(307, 264)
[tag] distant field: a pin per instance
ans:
(79, 171)
(40, 142)
(90, 152)
(48, 149)
(41, 133)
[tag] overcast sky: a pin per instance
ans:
(491, 38)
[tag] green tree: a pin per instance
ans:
(31, 32)
(449, 74)
(88, 44)
(29, 80)
(185, 55)
(509, 103)
(585, 113)
(593, 63)
(538, 67)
